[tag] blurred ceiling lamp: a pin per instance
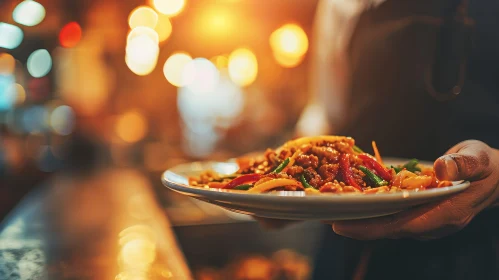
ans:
(287, 61)
(138, 68)
(243, 67)
(70, 35)
(7, 92)
(143, 16)
(29, 13)
(174, 67)
(169, 7)
(142, 49)
(62, 120)
(200, 75)
(39, 63)
(142, 55)
(7, 64)
(163, 28)
(289, 42)
(131, 127)
(11, 36)
(143, 31)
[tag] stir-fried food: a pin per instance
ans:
(323, 164)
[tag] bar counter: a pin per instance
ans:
(105, 225)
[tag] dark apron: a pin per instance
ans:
(389, 103)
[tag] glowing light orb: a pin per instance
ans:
(143, 16)
(200, 75)
(169, 7)
(70, 35)
(62, 120)
(29, 13)
(11, 36)
(243, 67)
(39, 63)
(7, 64)
(174, 67)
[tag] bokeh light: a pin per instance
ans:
(289, 44)
(220, 61)
(70, 35)
(131, 127)
(174, 67)
(243, 67)
(20, 94)
(169, 7)
(287, 61)
(143, 31)
(143, 16)
(163, 28)
(29, 13)
(35, 119)
(138, 252)
(39, 63)
(7, 64)
(62, 120)
(200, 75)
(11, 36)
(204, 113)
(142, 54)
(139, 68)
(142, 49)
(7, 92)
(225, 101)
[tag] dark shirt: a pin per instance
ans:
(390, 104)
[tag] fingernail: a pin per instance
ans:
(451, 168)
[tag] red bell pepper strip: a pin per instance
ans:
(374, 165)
(241, 180)
(347, 173)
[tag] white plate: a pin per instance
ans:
(296, 205)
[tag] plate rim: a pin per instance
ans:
(305, 198)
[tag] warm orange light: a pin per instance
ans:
(174, 68)
(140, 68)
(142, 51)
(216, 22)
(220, 61)
(20, 94)
(70, 35)
(138, 253)
(7, 64)
(287, 61)
(143, 31)
(243, 67)
(169, 7)
(289, 44)
(143, 16)
(163, 28)
(131, 127)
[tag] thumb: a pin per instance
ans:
(467, 160)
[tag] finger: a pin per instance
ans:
(468, 160)
(425, 222)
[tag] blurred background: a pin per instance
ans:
(143, 85)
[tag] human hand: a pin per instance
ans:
(469, 160)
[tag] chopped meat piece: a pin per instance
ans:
(308, 161)
(328, 172)
(312, 177)
(295, 171)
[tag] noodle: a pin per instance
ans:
(322, 164)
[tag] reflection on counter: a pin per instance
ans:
(281, 265)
